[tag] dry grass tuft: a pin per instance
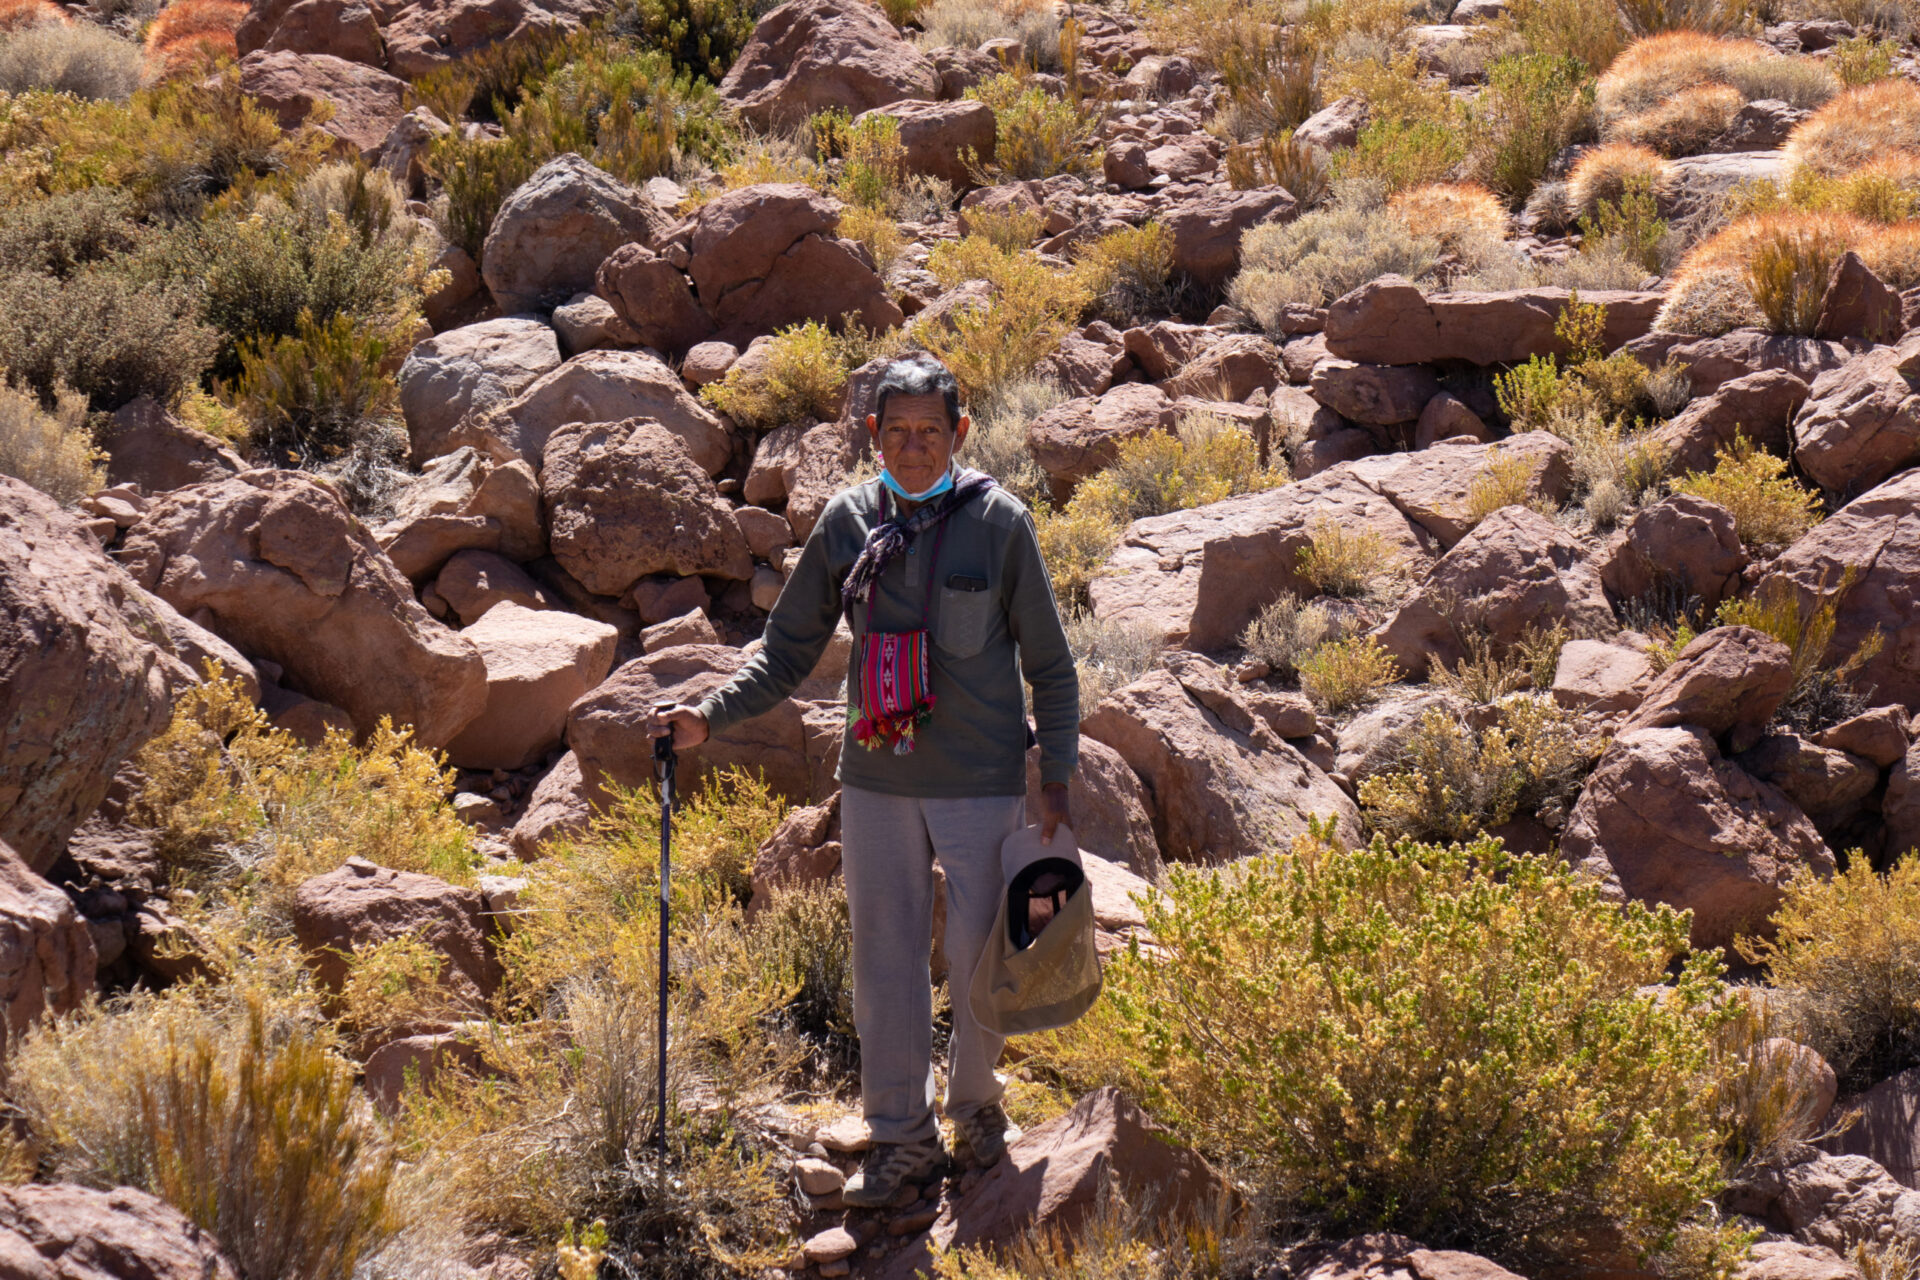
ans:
(78, 58)
(1685, 123)
(53, 452)
(1603, 174)
(1650, 71)
(1457, 211)
(1856, 127)
(1713, 288)
(19, 15)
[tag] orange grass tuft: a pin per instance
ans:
(1602, 173)
(1653, 69)
(1856, 127)
(1439, 208)
(191, 34)
(1683, 124)
(18, 15)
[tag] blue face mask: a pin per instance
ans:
(940, 486)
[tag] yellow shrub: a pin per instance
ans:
(1567, 28)
(1075, 544)
(1893, 254)
(1857, 126)
(1505, 481)
(1885, 190)
(1277, 160)
(990, 348)
(1821, 693)
(1337, 1023)
(1770, 509)
(1344, 674)
(1205, 459)
(395, 985)
(1339, 561)
(1127, 270)
(802, 379)
(1714, 287)
(1861, 59)
(876, 229)
(1285, 632)
(1038, 133)
(53, 452)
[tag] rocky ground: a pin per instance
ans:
(1570, 508)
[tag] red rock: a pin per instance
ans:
(1597, 677)
(1185, 158)
(1790, 1260)
(561, 805)
(1219, 792)
(1390, 321)
(1858, 304)
(809, 55)
(1515, 570)
(1447, 417)
(284, 572)
(464, 502)
(1080, 438)
(361, 904)
(1759, 406)
(1124, 164)
(1827, 784)
(1878, 536)
(474, 581)
(658, 599)
(1374, 393)
(1232, 368)
(1888, 1131)
(366, 102)
(819, 278)
(596, 388)
(149, 447)
(1861, 422)
(1712, 362)
(961, 69)
(1109, 807)
(47, 953)
(539, 662)
(708, 362)
(1665, 819)
(423, 35)
(470, 370)
(1682, 541)
(61, 1231)
(403, 153)
(1082, 363)
(625, 500)
(1335, 125)
(551, 235)
(1198, 577)
(804, 849)
(1900, 807)
(1206, 232)
(649, 294)
(421, 1057)
(939, 137)
(1728, 678)
(1880, 735)
(85, 678)
(343, 29)
(689, 628)
(1433, 487)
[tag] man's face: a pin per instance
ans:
(917, 439)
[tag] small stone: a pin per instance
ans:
(1250, 670)
(477, 810)
(905, 1198)
(848, 1135)
(767, 584)
(817, 1177)
(914, 1223)
(840, 1268)
(831, 1245)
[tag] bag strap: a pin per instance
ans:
(933, 567)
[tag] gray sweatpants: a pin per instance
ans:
(888, 844)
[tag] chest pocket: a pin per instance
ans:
(966, 615)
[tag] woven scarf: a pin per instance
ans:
(893, 688)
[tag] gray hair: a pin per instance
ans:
(917, 375)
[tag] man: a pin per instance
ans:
(939, 573)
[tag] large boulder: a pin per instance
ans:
(1380, 394)
(737, 236)
(941, 139)
(366, 101)
(1888, 1130)
(539, 662)
(1222, 785)
(1710, 363)
(1664, 818)
(46, 950)
(1080, 438)
(470, 370)
(1600, 678)
(1828, 1201)
(472, 582)
(1055, 1176)
(651, 296)
(150, 447)
(1516, 570)
(1109, 806)
(810, 55)
(1758, 405)
(765, 256)
(1229, 369)
(341, 28)
(273, 563)
(1828, 785)
(607, 728)
(1434, 487)
(551, 235)
(1206, 232)
(361, 904)
(62, 1231)
(85, 678)
(464, 502)
(427, 34)
(625, 500)
(1390, 321)
(1858, 304)
(1199, 577)
(1877, 538)
(1861, 422)
(561, 805)
(599, 387)
(1681, 541)
(1729, 679)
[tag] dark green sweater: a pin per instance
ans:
(983, 640)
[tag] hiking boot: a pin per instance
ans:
(890, 1166)
(981, 1139)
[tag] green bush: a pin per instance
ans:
(806, 937)
(58, 235)
(317, 396)
(1345, 674)
(1404, 153)
(1285, 632)
(1037, 133)
(703, 37)
(1455, 1043)
(103, 333)
(803, 378)
(1533, 108)
(1770, 508)
(1205, 459)
(54, 452)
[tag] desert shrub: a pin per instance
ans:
(703, 37)
(24, 15)
(802, 379)
(1452, 781)
(1798, 82)
(1334, 1022)
(52, 451)
(1650, 17)
(1770, 509)
(1456, 211)
(1346, 563)
(1075, 542)
(103, 333)
(1591, 33)
(1855, 126)
(1658, 66)
(997, 441)
(1118, 1241)
(1788, 274)
(1285, 632)
(1277, 160)
(249, 1124)
(1683, 124)
(1272, 84)
(1109, 654)
(1505, 481)
(1713, 285)
(1129, 271)
(1037, 134)
(1534, 106)
(1861, 59)
(969, 23)
(313, 398)
(805, 935)
(1885, 190)
(1844, 952)
(1628, 226)
(226, 795)
(873, 160)
(1342, 675)
(58, 235)
(1203, 460)
(1033, 306)
(1617, 466)
(80, 59)
(1327, 253)
(1822, 692)
(1403, 153)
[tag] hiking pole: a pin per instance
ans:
(663, 767)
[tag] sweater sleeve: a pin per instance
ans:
(797, 633)
(1045, 659)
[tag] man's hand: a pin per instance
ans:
(688, 726)
(1053, 810)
